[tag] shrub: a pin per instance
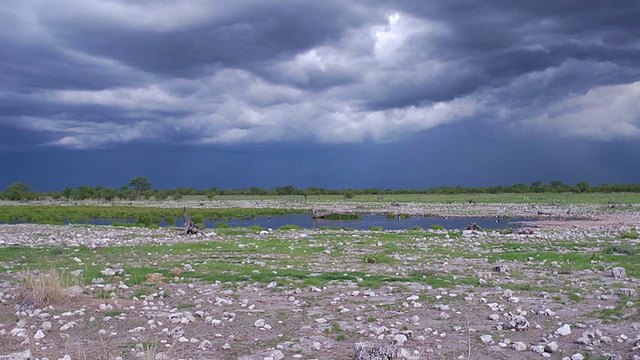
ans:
(632, 234)
(622, 248)
(48, 287)
(289, 227)
(57, 249)
(222, 225)
(436, 227)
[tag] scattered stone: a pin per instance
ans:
(515, 322)
(400, 339)
(25, 355)
(501, 268)
(564, 330)
(519, 346)
(552, 347)
(627, 291)
(486, 339)
(618, 272)
(375, 351)
(538, 349)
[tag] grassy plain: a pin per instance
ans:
(371, 274)
(149, 212)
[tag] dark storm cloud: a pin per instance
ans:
(236, 34)
(93, 74)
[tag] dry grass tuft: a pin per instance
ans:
(52, 286)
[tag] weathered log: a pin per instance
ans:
(189, 226)
(473, 226)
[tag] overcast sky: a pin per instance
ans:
(325, 93)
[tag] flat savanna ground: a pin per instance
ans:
(101, 292)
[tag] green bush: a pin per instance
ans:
(632, 234)
(436, 227)
(621, 248)
(289, 227)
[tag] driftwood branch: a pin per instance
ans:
(189, 226)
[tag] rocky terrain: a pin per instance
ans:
(564, 288)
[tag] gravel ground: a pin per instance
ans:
(504, 315)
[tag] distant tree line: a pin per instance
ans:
(140, 188)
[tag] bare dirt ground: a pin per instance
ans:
(469, 303)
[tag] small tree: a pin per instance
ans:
(16, 191)
(140, 184)
(583, 186)
(67, 193)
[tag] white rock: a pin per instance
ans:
(205, 344)
(46, 325)
(259, 323)
(519, 346)
(108, 272)
(68, 326)
(486, 339)
(618, 272)
(552, 346)
(538, 349)
(563, 330)
(400, 339)
(38, 335)
(25, 355)
(19, 332)
(577, 356)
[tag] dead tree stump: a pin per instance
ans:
(473, 226)
(189, 226)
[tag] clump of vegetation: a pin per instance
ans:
(436, 227)
(391, 215)
(52, 286)
(57, 249)
(342, 216)
(621, 248)
(375, 228)
(289, 227)
(378, 259)
(631, 234)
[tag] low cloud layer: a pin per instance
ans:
(95, 74)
